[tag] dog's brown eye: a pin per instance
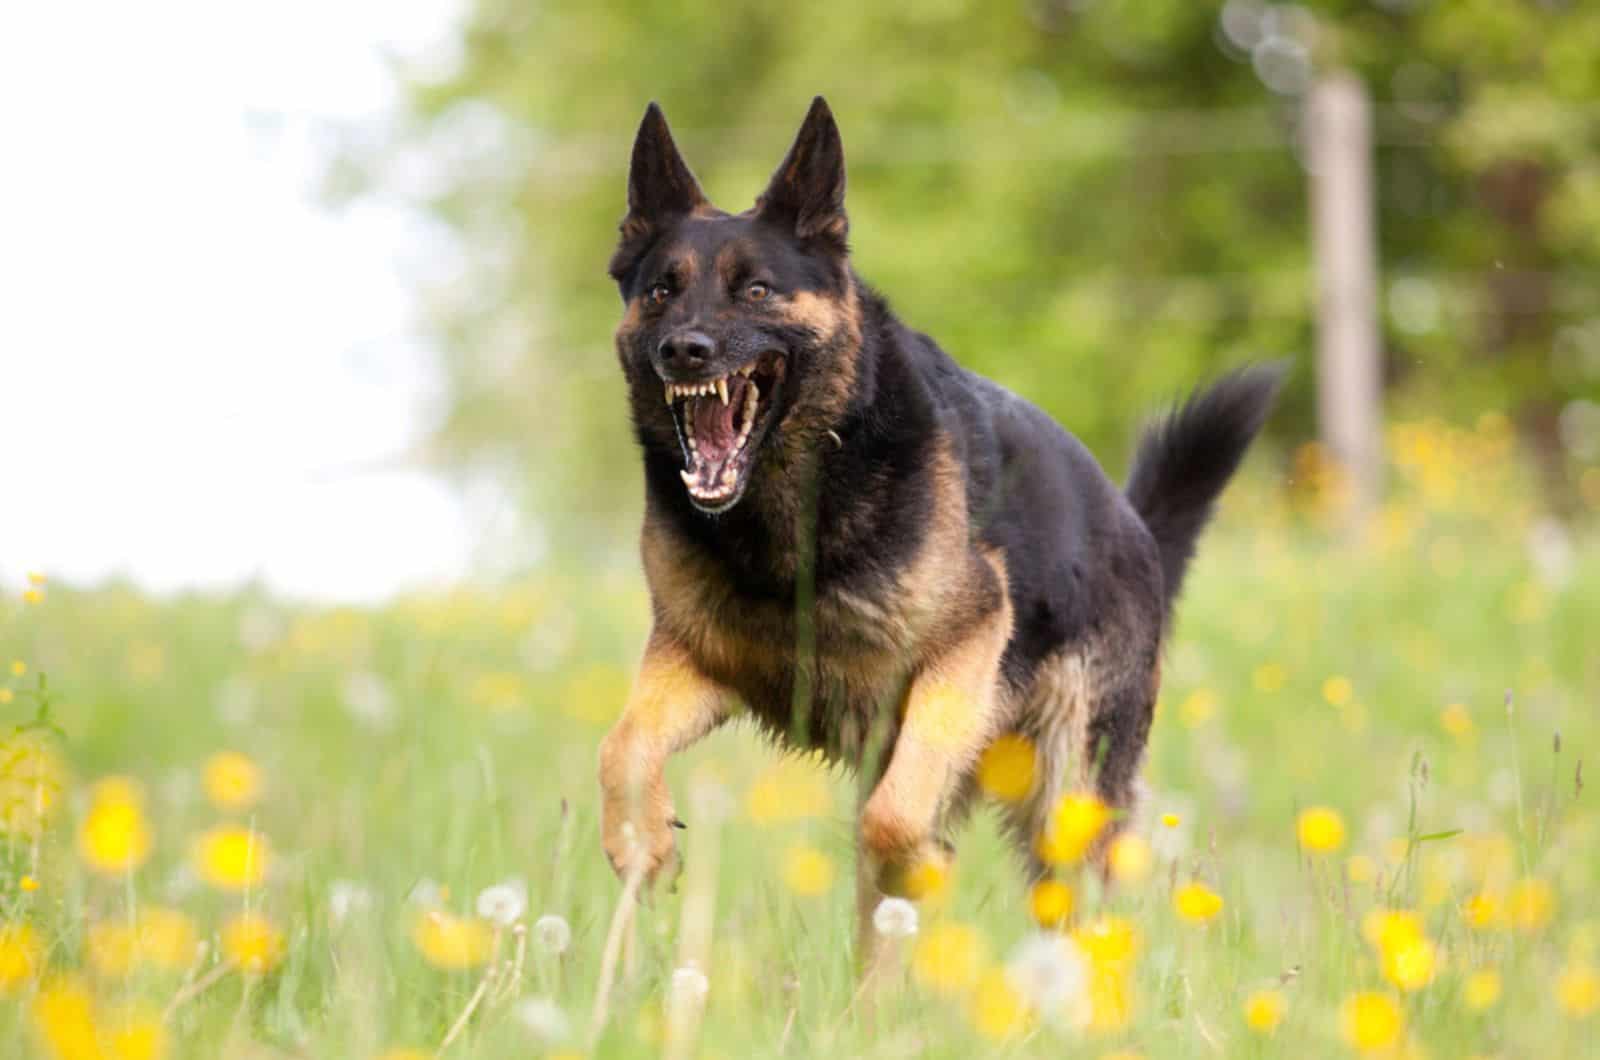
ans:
(757, 291)
(658, 293)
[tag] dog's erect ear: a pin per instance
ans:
(807, 191)
(660, 186)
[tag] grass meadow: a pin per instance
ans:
(236, 827)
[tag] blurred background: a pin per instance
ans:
(325, 295)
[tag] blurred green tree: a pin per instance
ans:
(1096, 202)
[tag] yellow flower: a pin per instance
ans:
(925, 879)
(1531, 904)
(1197, 903)
(1371, 1022)
(1075, 823)
(1360, 868)
(1263, 1011)
(33, 596)
(231, 858)
(1130, 859)
(1410, 964)
(998, 1011)
(115, 837)
(32, 777)
(1005, 769)
(1578, 990)
(1050, 902)
(1271, 677)
(452, 942)
(18, 668)
(1457, 721)
(1483, 911)
(1388, 929)
(790, 789)
(406, 1053)
(135, 1032)
(232, 781)
(1199, 707)
(21, 955)
(1337, 690)
(167, 938)
(1321, 830)
(112, 948)
(1169, 820)
(28, 884)
(63, 1013)
(36, 579)
(1482, 989)
(253, 943)
(948, 957)
(1110, 943)
(807, 871)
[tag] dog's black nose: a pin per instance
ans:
(686, 349)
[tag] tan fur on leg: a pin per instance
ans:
(672, 705)
(950, 715)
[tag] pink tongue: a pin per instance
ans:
(714, 432)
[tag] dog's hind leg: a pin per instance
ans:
(1089, 719)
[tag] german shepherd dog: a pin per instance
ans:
(866, 548)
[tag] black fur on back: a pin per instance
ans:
(1185, 459)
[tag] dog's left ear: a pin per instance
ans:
(807, 191)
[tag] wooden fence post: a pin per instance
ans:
(1349, 372)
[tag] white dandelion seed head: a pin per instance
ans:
(689, 986)
(1550, 546)
(237, 700)
(368, 699)
(895, 918)
(544, 1019)
(504, 903)
(347, 897)
(260, 628)
(1049, 971)
(553, 934)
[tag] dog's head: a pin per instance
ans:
(740, 331)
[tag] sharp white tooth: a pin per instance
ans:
(727, 475)
(688, 479)
(669, 393)
(722, 389)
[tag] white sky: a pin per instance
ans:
(197, 360)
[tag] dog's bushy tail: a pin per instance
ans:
(1186, 457)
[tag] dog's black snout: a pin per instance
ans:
(686, 349)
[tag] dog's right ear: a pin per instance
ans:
(661, 189)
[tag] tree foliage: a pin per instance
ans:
(1097, 202)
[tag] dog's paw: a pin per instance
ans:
(647, 845)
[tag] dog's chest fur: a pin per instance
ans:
(832, 675)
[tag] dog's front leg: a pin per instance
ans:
(672, 704)
(949, 716)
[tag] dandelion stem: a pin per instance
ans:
(621, 918)
(196, 988)
(466, 1014)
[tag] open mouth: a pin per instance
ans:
(720, 423)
